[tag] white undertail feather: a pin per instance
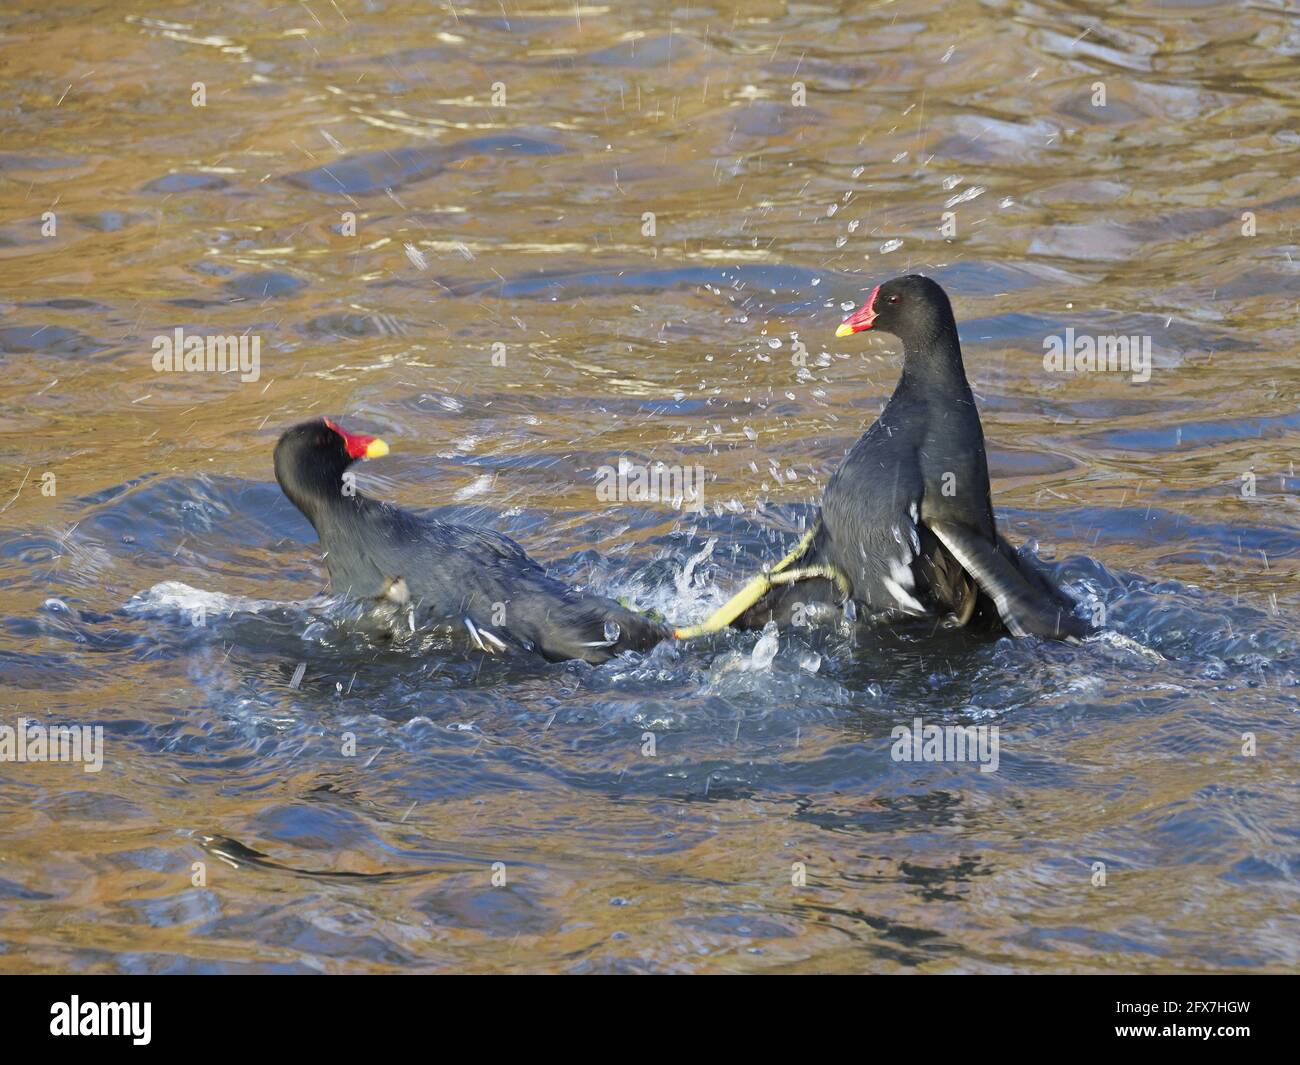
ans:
(479, 635)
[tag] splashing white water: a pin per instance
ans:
(171, 596)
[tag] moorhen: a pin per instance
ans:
(906, 523)
(419, 570)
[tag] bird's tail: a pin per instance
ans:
(589, 627)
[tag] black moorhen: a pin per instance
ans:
(417, 569)
(906, 522)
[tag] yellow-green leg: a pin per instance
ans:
(762, 584)
(831, 573)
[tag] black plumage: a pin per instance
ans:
(417, 570)
(908, 518)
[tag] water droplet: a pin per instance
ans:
(416, 256)
(966, 196)
(766, 648)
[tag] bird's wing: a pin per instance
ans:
(475, 540)
(1025, 607)
(871, 511)
(485, 583)
(868, 537)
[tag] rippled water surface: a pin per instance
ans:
(437, 219)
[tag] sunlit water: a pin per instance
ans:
(584, 233)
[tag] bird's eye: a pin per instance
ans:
(893, 299)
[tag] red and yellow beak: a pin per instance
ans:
(360, 446)
(861, 318)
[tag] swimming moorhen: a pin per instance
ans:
(906, 522)
(416, 569)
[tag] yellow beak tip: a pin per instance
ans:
(376, 449)
(845, 330)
